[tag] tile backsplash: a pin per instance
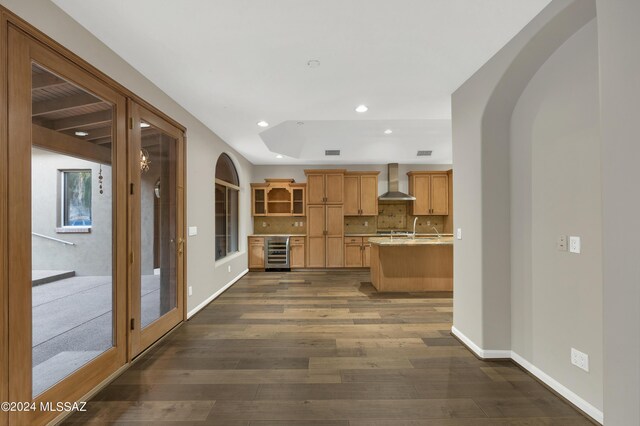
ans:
(279, 225)
(392, 215)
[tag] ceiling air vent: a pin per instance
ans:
(424, 153)
(332, 152)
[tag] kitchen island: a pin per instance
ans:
(412, 264)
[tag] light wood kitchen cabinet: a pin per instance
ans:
(256, 253)
(316, 238)
(357, 252)
(259, 199)
(298, 198)
(325, 186)
(325, 230)
(361, 193)
(297, 258)
(353, 252)
(431, 190)
(335, 235)
(278, 197)
(325, 218)
(366, 253)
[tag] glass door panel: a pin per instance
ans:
(72, 229)
(66, 214)
(157, 228)
(158, 272)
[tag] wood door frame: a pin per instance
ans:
(140, 339)
(4, 260)
(22, 50)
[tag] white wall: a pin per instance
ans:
(297, 172)
(514, 295)
(481, 114)
(203, 147)
(618, 36)
(556, 297)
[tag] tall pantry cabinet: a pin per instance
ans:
(325, 218)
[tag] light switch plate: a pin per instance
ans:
(459, 233)
(574, 244)
(193, 230)
(190, 291)
(561, 244)
(580, 359)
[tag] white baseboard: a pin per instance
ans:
(215, 295)
(592, 411)
(583, 405)
(482, 353)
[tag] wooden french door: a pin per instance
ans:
(156, 237)
(66, 209)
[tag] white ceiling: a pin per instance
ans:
(232, 63)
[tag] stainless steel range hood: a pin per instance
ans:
(393, 194)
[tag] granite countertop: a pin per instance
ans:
(403, 241)
(396, 235)
(278, 235)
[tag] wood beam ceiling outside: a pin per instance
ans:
(46, 80)
(64, 104)
(80, 121)
(68, 145)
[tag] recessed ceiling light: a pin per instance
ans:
(144, 125)
(80, 133)
(362, 108)
(313, 63)
(263, 123)
(388, 132)
(279, 156)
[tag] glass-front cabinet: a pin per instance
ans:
(259, 199)
(278, 197)
(298, 195)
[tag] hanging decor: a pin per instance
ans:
(156, 188)
(100, 180)
(145, 161)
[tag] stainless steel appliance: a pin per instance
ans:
(394, 194)
(276, 253)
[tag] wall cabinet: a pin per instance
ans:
(357, 252)
(256, 253)
(431, 190)
(361, 193)
(325, 186)
(297, 258)
(278, 197)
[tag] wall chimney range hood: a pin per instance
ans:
(393, 194)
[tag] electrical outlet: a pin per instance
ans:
(580, 359)
(228, 268)
(366, 223)
(459, 233)
(190, 291)
(428, 223)
(574, 244)
(264, 224)
(561, 244)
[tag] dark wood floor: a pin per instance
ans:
(322, 349)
